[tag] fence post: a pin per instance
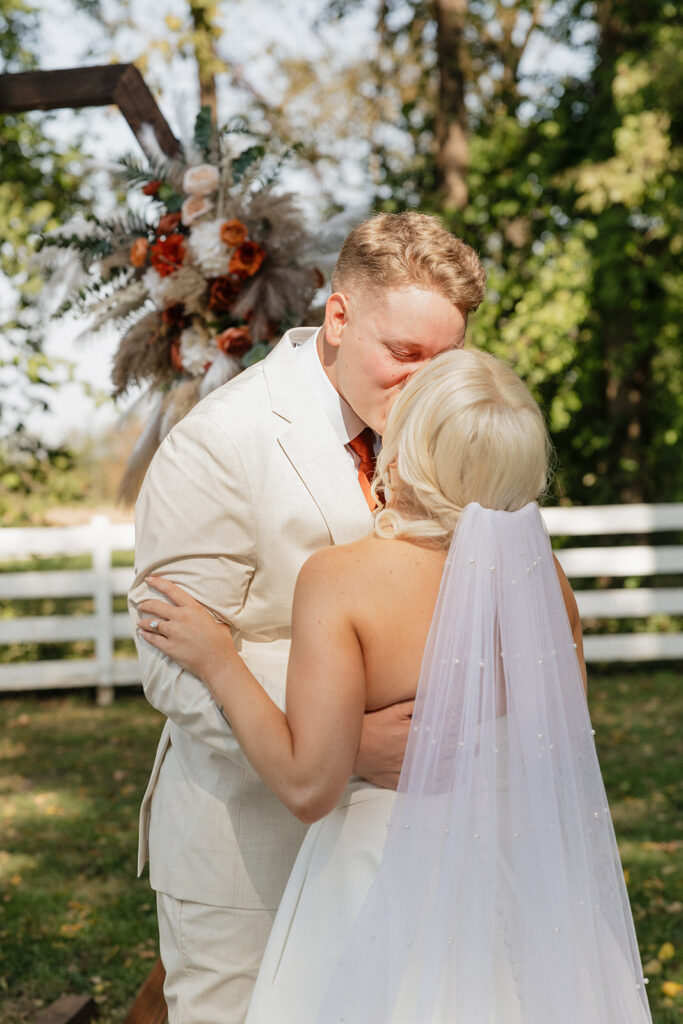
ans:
(104, 621)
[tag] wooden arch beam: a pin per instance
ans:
(99, 86)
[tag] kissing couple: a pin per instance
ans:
(462, 865)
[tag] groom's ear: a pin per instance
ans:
(336, 318)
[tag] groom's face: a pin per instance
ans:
(375, 339)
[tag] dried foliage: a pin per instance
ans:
(203, 281)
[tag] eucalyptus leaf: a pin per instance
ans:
(242, 163)
(204, 131)
(255, 354)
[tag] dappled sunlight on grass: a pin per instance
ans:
(73, 917)
(638, 719)
(14, 867)
(638, 812)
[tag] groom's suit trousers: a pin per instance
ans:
(211, 956)
(240, 493)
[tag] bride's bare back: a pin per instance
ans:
(360, 620)
(388, 588)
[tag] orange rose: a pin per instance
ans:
(222, 293)
(175, 316)
(138, 252)
(247, 259)
(233, 233)
(168, 254)
(235, 341)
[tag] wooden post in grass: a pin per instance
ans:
(149, 1006)
(69, 1010)
(104, 637)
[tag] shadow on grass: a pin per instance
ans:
(73, 916)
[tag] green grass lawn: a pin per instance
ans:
(73, 917)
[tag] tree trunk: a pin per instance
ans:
(452, 158)
(626, 368)
(205, 35)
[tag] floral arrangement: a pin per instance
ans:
(201, 281)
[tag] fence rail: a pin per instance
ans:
(102, 583)
(601, 562)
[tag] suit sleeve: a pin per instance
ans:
(195, 525)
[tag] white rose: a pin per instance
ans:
(207, 250)
(157, 286)
(201, 180)
(196, 350)
(185, 286)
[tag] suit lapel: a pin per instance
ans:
(312, 447)
(328, 473)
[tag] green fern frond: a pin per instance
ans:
(97, 290)
(237, 125)
(89, 249)
(125, 224)
(272, 172)
(136, 171)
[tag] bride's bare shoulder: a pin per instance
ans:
(367, 584)
(339, 558)
(333, 576)
(369, 556)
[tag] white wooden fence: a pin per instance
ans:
(623, 562)
(102, 583)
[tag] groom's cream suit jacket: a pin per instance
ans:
(239, 494)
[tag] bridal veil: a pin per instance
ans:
(500, 898)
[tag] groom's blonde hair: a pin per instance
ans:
(398, 250)
(465, 428)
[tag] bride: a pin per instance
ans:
(488, 890)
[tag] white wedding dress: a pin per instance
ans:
(332, 875)
(489, 889)
(336, 865)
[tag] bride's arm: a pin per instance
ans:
(574, 620)
(306, 756)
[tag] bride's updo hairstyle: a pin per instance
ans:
(465, 428)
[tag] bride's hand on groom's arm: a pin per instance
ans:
(183, 629)
(383, 744)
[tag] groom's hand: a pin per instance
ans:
(383, 744)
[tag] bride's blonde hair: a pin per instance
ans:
(465, 428)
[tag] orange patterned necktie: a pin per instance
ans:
(364, 447)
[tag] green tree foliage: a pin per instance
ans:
(36, 476)
(586, 268)
(567, 182)
(41, 186)
(194, 35)
(570, 188)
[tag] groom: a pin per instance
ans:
(262, 473)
